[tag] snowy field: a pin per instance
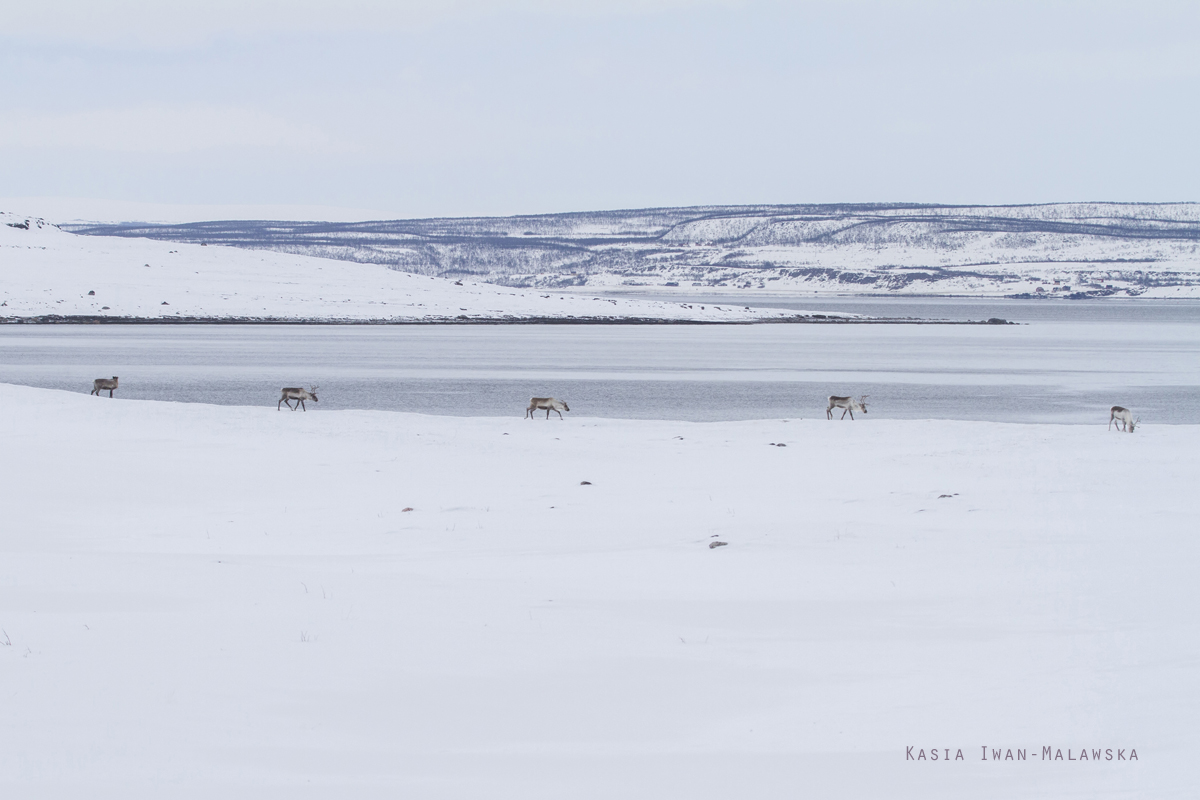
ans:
(201, 601)
(46, 271)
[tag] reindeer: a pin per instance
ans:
(547, 403)
(100, 384)
(299, 395)
(1124, 419)
(848, 403)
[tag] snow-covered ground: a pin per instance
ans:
(201, 601)
(46, 271)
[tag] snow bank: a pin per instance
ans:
(45, 271)
(201, 601)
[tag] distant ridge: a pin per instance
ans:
(51, 276)
(1058, 249)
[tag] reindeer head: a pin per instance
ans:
(566, 407)
(862, 402)
(312, 390)
(1134, 424)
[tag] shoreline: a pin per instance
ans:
(583, 419)
(813, 319)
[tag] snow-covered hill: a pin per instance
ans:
(1068, 249)
(47, 272)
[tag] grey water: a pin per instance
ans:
(1067, 362)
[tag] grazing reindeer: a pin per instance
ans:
(100, 384)
(1124, 419)
(547, 403)
(299, 395)
(848, 403)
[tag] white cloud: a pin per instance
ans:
(156, 129)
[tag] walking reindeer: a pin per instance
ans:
(102, 384)
(299, 395)
(548, 404)
(848, 403)
(1124, 419)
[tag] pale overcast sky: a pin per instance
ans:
(523, 106)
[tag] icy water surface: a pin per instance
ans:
(1064, 367)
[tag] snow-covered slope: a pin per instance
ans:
(201, 601)
(45, 271)
(1066, 249)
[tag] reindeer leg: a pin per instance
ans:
(300, 402)
(843, 416)
(110, 391)
(556, 411)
